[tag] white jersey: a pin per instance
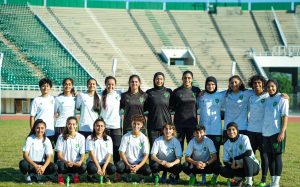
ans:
(234, 149)
(210, 112)
(236, 108)
(200, 151)
(37, 148)
(85, 103)
(166, 150)
(100, 148)
(43, 108)
(257, 105)
(134, 147)
(276, 107)
(64, 107)
(111, 114)
(72, 148)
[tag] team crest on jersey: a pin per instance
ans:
(240, 146)
(241, 97)
(217, 101)
(77, 146)
(262, 101)
(106, 145)
(275, 104)
(275, 145)
(204, 148)
(142, 100)
(141, 145)
(166, 94)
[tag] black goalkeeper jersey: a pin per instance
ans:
(183, 103)
(157, 104)
(132, 104)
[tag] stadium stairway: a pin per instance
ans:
(290, 24)
(24, 30)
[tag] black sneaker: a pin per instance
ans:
(92, 179)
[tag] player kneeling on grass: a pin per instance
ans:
(201, 157)
(134, 150)
(166, 154)
(36, 149)
(100, 149)
(238, 157)
(70, 147)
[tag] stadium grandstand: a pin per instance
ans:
(86, 38)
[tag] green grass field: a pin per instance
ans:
(13, 134)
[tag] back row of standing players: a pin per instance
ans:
(260, 112)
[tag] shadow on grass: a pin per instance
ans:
(15, 176)
(11, 175)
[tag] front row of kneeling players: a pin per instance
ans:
(166, 154)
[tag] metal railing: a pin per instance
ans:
(277, 51)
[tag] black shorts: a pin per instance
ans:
(255, 140)
(271, 145)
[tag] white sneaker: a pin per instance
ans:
(39, 179)
(28, 179)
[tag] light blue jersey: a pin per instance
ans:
(257, 105)
(236, 108)
(276, 107)
(210, 112)
(200, 151)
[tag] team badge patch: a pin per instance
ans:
(275, 145)
(275, 104)
(262, 101)
(142, 100)
(166, 94)
(141, 145)
(240, 146)
(241, 97)
(217, 100)
(204, 148)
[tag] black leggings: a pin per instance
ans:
(152, 135)
(25, 167)
(122, 168)
(63, 169)
(189, 168)
(156, 167)
(116, 136)
(256, 140)
(217, 140)
(250, 169)
(272, 150)
(275, 163)
(85, 133)
(184, 133)
(92, 168)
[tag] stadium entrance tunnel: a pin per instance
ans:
(177, 55)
